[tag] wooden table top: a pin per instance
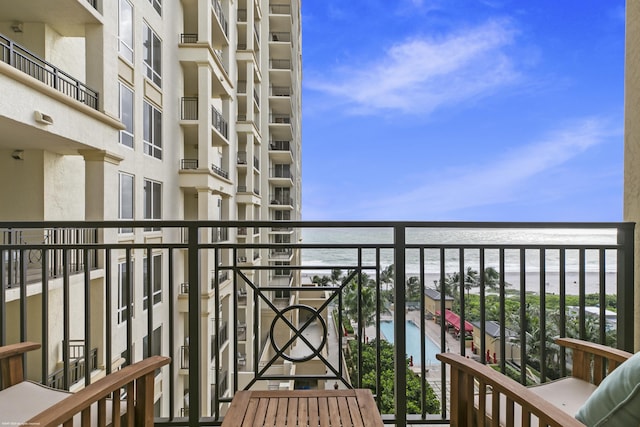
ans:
(303, 408)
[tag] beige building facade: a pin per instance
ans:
(155, 110)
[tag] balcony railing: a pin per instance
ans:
(25, 61)
(280, 64)
(188, 38)
(280, 37)
(220, 123)
(77, 366)
(280, 91)
(534, 281)
(219, 171)
(189, 108)
(281, 200)
(222, 19)
(280, 9)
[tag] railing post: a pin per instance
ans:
(625, 294)
(193, 256)
(400, 339)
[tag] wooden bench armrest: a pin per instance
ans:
(11, 365)
(143, 373)
(590, 360)
(466, 374)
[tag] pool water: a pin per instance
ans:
(413, 342)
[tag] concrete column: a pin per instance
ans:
(204, 116)
(204, 20)
(632, 142)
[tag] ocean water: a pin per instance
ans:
(532, 279)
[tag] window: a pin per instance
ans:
(123, 275)
(157, 5)
(152, 131)
(156, 345)
(125, 199)
(152, 201)
(125, 30)
(126, 115)
(152, 53)
(279, 270)
(280, 294)
(156, 281)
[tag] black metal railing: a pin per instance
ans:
(220, 123)
(222, 19)
(434, 283)
(219, 171)
(27, 265)
(77, 367)
(25, 61)
(189, 108)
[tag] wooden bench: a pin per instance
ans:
(303, 408)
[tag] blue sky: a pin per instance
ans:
(463, 110)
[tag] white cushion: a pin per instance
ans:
(27, 399)
(567, 394)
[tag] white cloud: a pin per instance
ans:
(505, 179)
(425, 73)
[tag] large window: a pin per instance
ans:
(125, 199)
(126, 115)
(152, 131)
(125, 30)
(152, 201)
(124, 284)
(157, 5)
(156, 281)
(152, 52)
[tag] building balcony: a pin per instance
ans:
(23, 60)
(69, 18)
(281, 201)
(495, 292)
(223, 24)
(281, 152)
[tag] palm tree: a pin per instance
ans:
(365, 302)
(491, 278)
(336, 275)
(413, 289)
(387, 275)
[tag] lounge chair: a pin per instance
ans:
(29, 403)
(593, 394)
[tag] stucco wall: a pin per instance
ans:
(632, 140)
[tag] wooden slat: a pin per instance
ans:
(334, 411)
(247, 420)
(368, 408)
(261, 413)
(313, 412)
(302, 408)
(354, 410)
(292, 411)
(323, 409)
(345, 414)
(303, 413)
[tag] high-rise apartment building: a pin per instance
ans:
(151, 110)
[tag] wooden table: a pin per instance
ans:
(303, 408)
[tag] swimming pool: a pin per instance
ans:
(413, 342)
